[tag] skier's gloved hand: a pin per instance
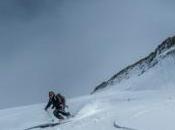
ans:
(45, 109)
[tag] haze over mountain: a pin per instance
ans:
(72, 46)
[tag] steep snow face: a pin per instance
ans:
(165, 52)
(162, 77)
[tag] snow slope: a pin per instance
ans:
(139, 110)
(144, 102)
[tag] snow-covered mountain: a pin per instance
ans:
(163, 52)
(140, 97)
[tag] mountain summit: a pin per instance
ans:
(164, 50)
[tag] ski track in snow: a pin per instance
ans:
(122, 127)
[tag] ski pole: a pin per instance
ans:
(50, 116)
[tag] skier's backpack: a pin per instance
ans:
(62, 99)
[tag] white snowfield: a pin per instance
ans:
(146, 102)
(146, 110)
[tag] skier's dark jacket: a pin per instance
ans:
(56, 101)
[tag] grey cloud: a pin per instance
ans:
(26, 9)
(71, 46)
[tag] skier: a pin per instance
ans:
(59, 104)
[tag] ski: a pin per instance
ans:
(46, 125)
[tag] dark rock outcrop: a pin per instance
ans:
(143, 65)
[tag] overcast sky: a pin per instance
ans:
(71, 46)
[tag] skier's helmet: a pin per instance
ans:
(51, 94)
